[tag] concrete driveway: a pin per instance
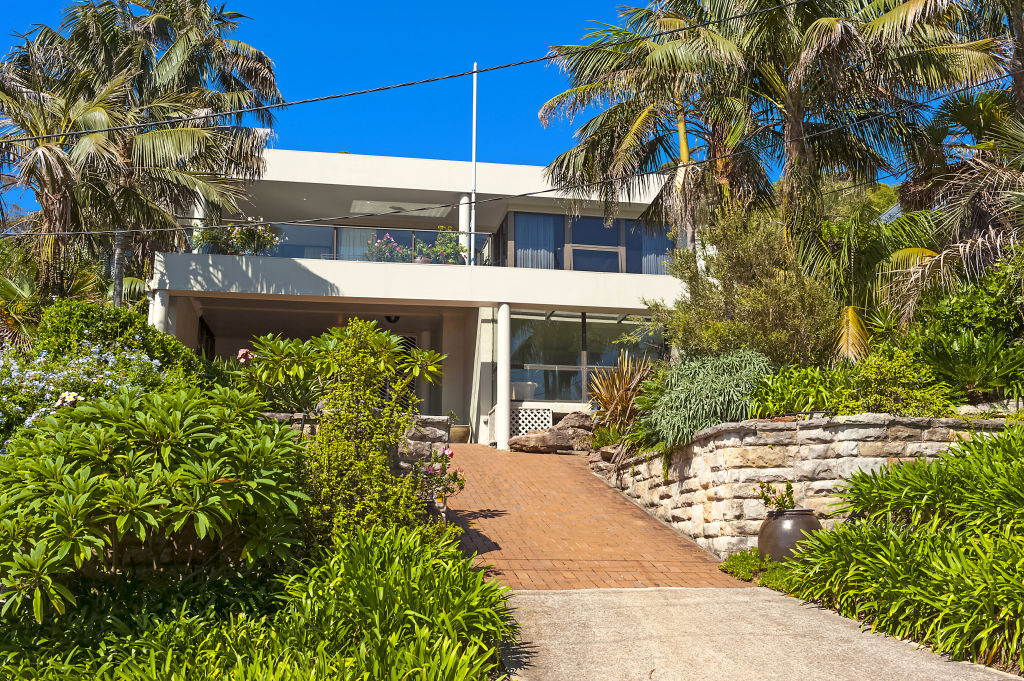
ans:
(709, 634)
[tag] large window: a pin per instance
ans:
(646, 251)
(553, 353)
(587, 244)
(539, 240)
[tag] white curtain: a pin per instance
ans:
(352, 243)
(537, 237)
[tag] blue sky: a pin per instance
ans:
(322, 47)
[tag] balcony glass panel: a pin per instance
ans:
(536, 340)
(299, 241)
(586, 260)
(593, 232)
(557, 384)
(539, 240)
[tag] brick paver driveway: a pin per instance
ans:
(546, 522)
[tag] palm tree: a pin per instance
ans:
(660, 90)
(820, 88)
(859, 260)
(176, 60)
(186, 64)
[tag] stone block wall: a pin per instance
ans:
(428, 434)
(708, 494)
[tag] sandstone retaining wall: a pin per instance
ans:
(709, 494)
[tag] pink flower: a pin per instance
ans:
(245, 356)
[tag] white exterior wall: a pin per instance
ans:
(282, 279)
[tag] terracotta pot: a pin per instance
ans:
(781, 530)
(459, 434)
(424, 259)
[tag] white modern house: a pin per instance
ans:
(540, 300)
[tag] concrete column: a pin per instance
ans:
(464, 224)
(453, 344)
(159, 310)
(503, 360)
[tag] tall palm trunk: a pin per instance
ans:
(120, 246)
(685, 230)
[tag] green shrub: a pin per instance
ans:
(976, 483)
(745, 565)
(392, 605)
(295, 376)
(959, 591)
(892, 381)
(749, 566)
(980, 367)
(157, 487)
(745, 289)
(697, 393)
(366, 412)
(800, 389)
(69, 326)
(936, 554)
(613, 390)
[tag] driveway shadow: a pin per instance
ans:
(472, 539)
(517, 657)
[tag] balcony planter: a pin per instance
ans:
(423, 259)
(781, 530)
(459, 434)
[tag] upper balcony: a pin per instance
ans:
(523, 239)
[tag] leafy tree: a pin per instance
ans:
(744, 288)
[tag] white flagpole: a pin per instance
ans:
(472, 205)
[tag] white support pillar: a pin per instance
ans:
(503, 361)
(159, 309)
(464, 227)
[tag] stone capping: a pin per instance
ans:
(796, 426)
(709, 491)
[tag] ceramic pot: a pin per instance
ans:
(459, 434)
(781, 530)
(424, 259)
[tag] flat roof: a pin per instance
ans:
(422, 174)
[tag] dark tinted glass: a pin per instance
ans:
(593, 232)
(546, 341)
(595, 261)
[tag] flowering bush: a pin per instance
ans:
(779, 500)
(33, 386)
(436, 479)
(245, 239)
(446, 248)
(386, 249)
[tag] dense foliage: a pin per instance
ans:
(296, 376)
(69, 327)
(697, 393)
(891, 380)
(935, 555)
(160, 486)
(383, 605)
(744, 289)
(367, 409)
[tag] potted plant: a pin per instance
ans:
(458, 433)
(386, 249)
(785, 524)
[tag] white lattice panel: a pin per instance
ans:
(525, 420)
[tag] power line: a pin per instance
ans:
(504, 197)
(395, 86)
